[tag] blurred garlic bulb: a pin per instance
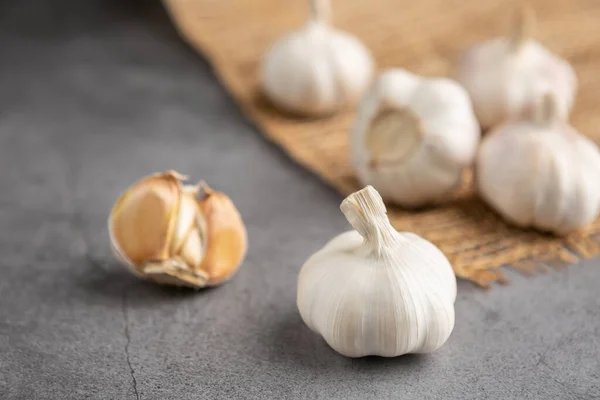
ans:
(159, 230)
(317, 69)
(541, 173)
(506, 77)
(413, 137)
(376, 291)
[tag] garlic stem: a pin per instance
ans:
(523, 26)
(367, 214)
(206, 190)
(321, 10)
(546, 113)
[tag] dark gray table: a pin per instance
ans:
(94, 95)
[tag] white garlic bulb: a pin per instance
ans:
(506, 77)
(541, 173)
(316, 70)
(376, 291)
(413, 137)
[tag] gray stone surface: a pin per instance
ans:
(95, 94)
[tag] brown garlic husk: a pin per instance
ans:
(160, 230)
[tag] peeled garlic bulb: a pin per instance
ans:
(316, 70)
(159, 230)
(506, 77)
(541, 173)
(413, 137)
(376, 291)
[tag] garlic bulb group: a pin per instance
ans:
(541, 173)
(159, 230)
(413, 137)
(506, 77)
(316, 70)
(376, 291)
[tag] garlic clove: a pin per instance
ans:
(413, 138)
(148, 206)
(187, 219)
(159, 231)
(506, 77)
(226, 236)
(540, 173)
(189, 251)
(316, 70)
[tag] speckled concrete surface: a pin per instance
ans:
(95, 94)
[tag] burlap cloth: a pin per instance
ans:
(424, 36)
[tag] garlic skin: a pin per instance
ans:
(316, 70)
(413, 137)
(160, 230)
(376, 291)
(540, 173)
(507, 76)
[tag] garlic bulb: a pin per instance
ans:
(316, 70)
(506, 77)
(376, 291)
(413, 137)
(159, 230)
(541, 173)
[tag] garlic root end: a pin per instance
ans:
(175, 272)
(394, 135)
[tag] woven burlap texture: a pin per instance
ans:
(425, 37)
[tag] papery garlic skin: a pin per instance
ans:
(413, 137)
(376, 291)
(316, 70)
(506, 77)
(159, 230)
(541, 174)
